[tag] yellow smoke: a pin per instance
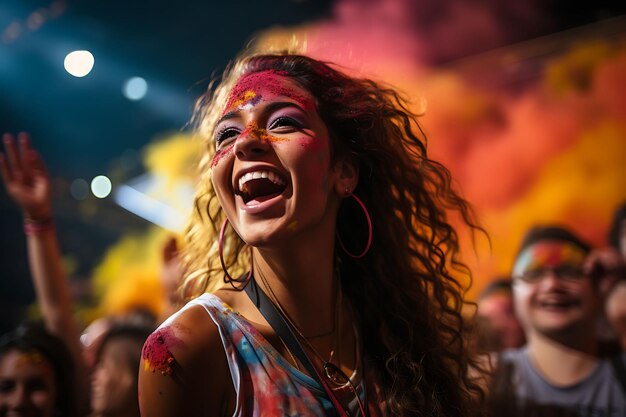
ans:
(128, 278)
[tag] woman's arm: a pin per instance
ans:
(184, 371)
(28, 184)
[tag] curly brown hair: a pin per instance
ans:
(404, 291)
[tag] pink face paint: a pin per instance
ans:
(156, 352)
(271, 82)
(548, 254)
(310, 144)
(221, 154)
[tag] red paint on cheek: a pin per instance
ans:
(221, 154)
(156, 352)
(310, 144)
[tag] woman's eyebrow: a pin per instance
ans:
(230, 115)
(277, 105)
(270, 108)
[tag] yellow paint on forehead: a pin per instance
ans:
(247, 96)
(27, 358)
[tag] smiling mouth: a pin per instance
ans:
(558, 304)
(259, 186)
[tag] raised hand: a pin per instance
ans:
(25, 177)
(607, 266)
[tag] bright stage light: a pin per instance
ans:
(135, 88)
(101, 186)
(157, 200)
(79, 63)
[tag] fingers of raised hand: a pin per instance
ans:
(25, 151)
(16, 166)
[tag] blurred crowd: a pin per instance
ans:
(552, 334)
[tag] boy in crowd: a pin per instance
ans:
(559, 370)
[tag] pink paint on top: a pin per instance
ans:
(272, 82)
(549, 254)
(156, 351)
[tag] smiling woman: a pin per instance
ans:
(36, 374)
(320, 257)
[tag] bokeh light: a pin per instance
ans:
(79, 63)
(101, 186)
(79, 189)
(135, 88)
(129, 159)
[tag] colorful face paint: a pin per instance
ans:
(252, 128)
(156, 353)
(279, 137)
(246, 91)
(221, 154)
(548, 255)
(34, 358)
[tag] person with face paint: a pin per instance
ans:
(559, 371)
(320, 256)
(27, 183)
(36, 374)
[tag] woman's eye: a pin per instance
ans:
(284, 121)
(225, 134)
(37, 385)
(6, 386)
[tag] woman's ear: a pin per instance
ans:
(347, 170)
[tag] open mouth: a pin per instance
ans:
(259, 186)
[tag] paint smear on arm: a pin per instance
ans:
(157, 351)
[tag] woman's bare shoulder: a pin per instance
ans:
(184, 369)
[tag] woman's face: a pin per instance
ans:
(27, 387)
(113, 383)
(272, 171)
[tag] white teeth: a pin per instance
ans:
(260, 174)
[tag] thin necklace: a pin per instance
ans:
(274, 299)
(332, 372)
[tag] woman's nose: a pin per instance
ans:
(251, 143)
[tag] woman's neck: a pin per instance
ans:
(302, 278)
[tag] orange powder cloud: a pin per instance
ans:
(548, 150)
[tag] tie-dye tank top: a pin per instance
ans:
(266, 384)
